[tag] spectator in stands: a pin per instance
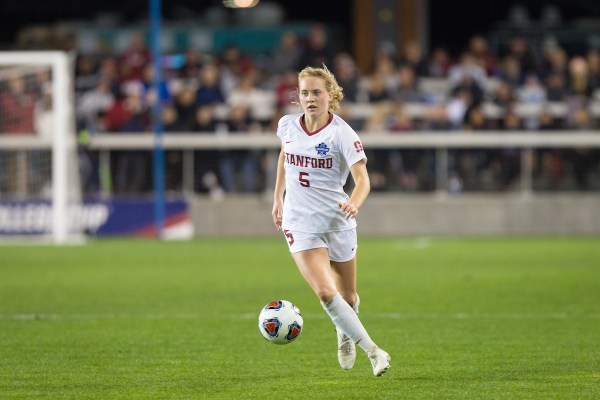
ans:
(285, 94)
(131, 173)
(206, 161)
(508, 162)
(149, 94)
(554, 61)
(257, 101)
(86, 74)
(205, 121)
(400, 121)
(17, 117)
(170, 120)
(185, 104)
(134, 59)
(242, 162)
(548, 122)
(467, 71)
(475, 120)
(232, 65)
(412, 56)
(436, 117)
(483, 56)
(108, 69)
(593, 62)
(472, 87)
(92, 102)
(406, 90)
(438, 63)
(193, 62)
(173, 158)
(583, 160)
(317, 49)
(347, 76)
(377, 90)
(117, 114)
(403, 164)
(556, 87)
(532, 93)
(579, 83)
(472, 167)
(520, 48)
(43, 114)
(385, 65)
(17, 103)
(457, 106)
(503, 96)
(510, 73)
(209, 90)
(286, 56)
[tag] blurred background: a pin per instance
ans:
(411, 70)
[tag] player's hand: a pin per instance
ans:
(276, 214)
(350, 209)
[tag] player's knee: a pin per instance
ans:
(325, 295)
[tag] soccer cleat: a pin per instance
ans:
(380, 360)
(346, 351)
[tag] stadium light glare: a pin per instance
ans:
(240, 3)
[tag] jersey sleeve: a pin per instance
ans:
(351, 146)
(282, 126)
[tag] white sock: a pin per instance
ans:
(356, 304)
(346, 320)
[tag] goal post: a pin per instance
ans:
(38, 85)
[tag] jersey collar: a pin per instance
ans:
(318, 130)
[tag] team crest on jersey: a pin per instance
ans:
(322, 149)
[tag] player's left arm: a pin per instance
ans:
(362, 187)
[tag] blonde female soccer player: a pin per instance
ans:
(319, 150)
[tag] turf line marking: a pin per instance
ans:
(251, 316)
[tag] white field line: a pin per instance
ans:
(250, 316)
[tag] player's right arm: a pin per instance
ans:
(278, 192)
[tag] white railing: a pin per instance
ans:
(439, 141)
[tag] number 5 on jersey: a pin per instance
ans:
(302, 178)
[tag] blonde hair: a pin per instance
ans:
(331, 84)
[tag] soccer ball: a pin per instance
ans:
(280, 322)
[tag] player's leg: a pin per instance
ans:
(342, 253)
(314, 267)
(313, 264)
(344, 275)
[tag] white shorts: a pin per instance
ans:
(341, 245)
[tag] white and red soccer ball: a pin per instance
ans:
(280, 322)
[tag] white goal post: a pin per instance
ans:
(59, 142)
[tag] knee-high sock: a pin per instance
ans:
(346, 320)
(356, 304)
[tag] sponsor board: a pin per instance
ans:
(114, 217)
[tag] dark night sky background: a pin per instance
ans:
(451, 21)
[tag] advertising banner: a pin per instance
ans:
(116, 217)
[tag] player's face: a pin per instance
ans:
(314, 97)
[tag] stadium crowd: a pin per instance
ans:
(405, 91)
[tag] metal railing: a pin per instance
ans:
(440, 141)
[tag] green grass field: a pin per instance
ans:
(462, 319)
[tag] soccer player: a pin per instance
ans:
(319, 150)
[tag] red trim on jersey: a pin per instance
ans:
(318, 130)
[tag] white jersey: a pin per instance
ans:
(317, 165)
